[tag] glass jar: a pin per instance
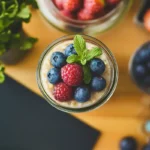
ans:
(100, 101)
(55, 18)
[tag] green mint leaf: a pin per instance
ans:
(5, 36)
(94, 52)
(2, 68)
(8, 9)
(28, 43)
(4, 23)
(79, 44)
(12, 10)
(83, 61)
(72, 58)
(87, 74)
(32, 2)
(24, 13)
(2, 77)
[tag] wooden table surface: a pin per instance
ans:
(120, 116)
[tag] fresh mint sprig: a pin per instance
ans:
(83, 56)
(79, 44)
(73, 58)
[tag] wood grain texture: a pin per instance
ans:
(120, 116)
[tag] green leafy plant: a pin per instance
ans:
(2, 76)
(12, 14)
(83, 56)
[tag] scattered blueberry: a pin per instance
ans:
(82, 94)
(140, 70)
(146, 147)
(58, 59)
(128, 143)
(142, 56)
(97, 66)
(98, 83)
(70, 50)
(53, 75)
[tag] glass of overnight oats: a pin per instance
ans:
(84, 16)
(77, 73)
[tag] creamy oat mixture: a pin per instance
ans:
(45, 67)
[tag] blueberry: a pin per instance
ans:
(53, 75)
(97, 66)
(70, 50)
(140, 70)
(128, 143)
(98, 83)
(146, 147)
(58, 59)
(142, 56)
(82, 94)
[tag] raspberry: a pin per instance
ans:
(72, 74)
(85, 15)
(63, 92)
(147, 20)
(59, 4)
(68, 14)
(112, 2)
(71, 5)
(93, 6)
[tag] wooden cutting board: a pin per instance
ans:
(120, 116)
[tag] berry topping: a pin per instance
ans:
(97, 66)
(84, 14)
(70, 50)
(62, 92)
(147, 20)
(98, 83)
(92, 6)
(58, 59)
(72, 74)
(84, 56)
(146, 147)
(71, 5)
(82, 94)
(54, 75)
(128, 143)
(59, 4)
(140, 70)
(68, 14)
(112, 2)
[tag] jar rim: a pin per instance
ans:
(101, 100)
